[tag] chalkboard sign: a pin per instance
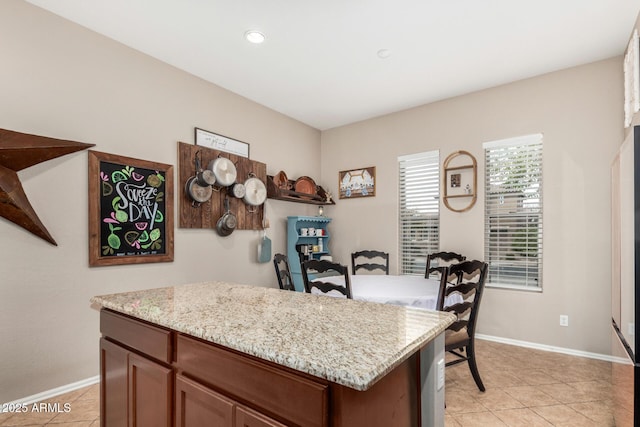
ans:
(130, 210)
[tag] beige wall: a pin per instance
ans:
(60, 80)
(579, 111)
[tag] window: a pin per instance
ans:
(513, 212)
(419, 210)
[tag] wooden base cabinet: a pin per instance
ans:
(135, 390)
(152, 376)
(197, 405)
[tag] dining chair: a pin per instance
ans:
(460, 335)
(323, 269)
(442, 259)
(369, 255)
(283, 272)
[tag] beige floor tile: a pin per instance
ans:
(599, 412)
(563, 415)
(496, 399)
(566, 393)
(28, 418)
(74, 424)
(521, 417)
(479, 419)
(450, 421)
(92, 393)
(536, 377)
(81, 410)
(530, 396)
(459, 401)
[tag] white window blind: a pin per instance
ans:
(513, 212)
(419, 206)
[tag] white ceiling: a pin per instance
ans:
(319, 63)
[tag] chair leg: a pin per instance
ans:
(473, 367)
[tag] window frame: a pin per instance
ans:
(523, 255)
(425, 189)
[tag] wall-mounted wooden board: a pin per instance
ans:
(206, 214)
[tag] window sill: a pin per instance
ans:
(514, 287)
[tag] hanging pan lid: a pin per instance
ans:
(255, 191)
(224, 171)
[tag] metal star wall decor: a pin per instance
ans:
(19, 151)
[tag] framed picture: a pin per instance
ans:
(357, 183)
(460, 182)
(455, 180)
(221, 143)
(130, 210)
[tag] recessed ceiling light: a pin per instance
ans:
(384, 53)
(254, 36)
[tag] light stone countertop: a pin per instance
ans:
(353, 343)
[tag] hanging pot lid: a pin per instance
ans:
(224, 171)
(255, 191)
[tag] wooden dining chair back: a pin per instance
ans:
(442, 259)
(460, 336)
(315, 274)
(363, 260)
(283, 272)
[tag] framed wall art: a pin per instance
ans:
(221, 143)
(357, 183)
(460, 181)
(130, 210)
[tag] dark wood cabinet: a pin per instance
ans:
(197, 405)
(136, 391)
(150, 392)
(113, 384)
(153, 376)
(245, 417)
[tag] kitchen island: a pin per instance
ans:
(225, 354)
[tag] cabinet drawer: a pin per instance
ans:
(274, 391)
(150, 340)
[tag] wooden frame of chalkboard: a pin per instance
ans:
(130, 210)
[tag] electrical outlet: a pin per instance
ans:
(632, 328)
(564, 320)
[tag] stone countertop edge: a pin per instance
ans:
(348, 342)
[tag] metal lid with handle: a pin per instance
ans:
(224, 171)
(255, 191)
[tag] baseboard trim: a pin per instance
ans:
(52, 393)
(544, 347)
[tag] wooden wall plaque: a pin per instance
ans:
(206, 215)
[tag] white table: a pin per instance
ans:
(410, 291)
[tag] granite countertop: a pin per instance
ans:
(353, 343)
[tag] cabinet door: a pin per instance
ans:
(150, 394)
(246, 417)
(113, 384)
(197, 405)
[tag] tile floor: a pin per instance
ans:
(529, 388)
(84, 411)
(524, 388)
